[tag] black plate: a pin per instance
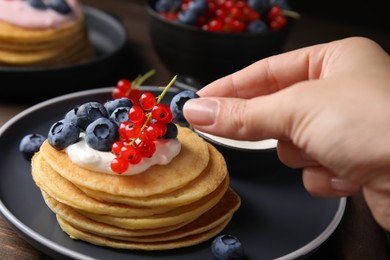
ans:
(108, 38)
(278, 219)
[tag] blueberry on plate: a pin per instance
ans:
(227, 247)
(120, 115)
(30, 144)
(101, 134)
(113, 104)
(89, 112)
(171, 131)
(71, 115)
(62, 134)
(177, 104)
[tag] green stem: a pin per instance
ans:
(292, 14)
(141, 79)
(161, 96)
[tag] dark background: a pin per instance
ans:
(366, 13)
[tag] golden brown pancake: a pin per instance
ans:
(65, 192)
(44, 47)
(75, 233)
(218, 214)
(175, 216)
(188, 165)
(205, 183)
(168, 206)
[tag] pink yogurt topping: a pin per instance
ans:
(20, 13)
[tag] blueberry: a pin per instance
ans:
(120, 115)
(171, 132)
(113, 104)
(30, 144)
(60, 6)
(257, 26)
(227, 247)
(177, 104)
(37, 4)
(101, 134)
(188, 17)
(283, 4)
(198, 6)
(89, 112)
(62, 134)
(261, 6)
(71, 115)
(168, 5)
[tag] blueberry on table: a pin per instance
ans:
(101, 134)
(227, 247)
(62, 134)
(177, 104)
(30, 144)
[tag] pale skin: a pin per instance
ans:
(328, 106)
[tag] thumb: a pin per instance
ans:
(253, 119)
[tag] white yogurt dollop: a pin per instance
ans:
(84, 156)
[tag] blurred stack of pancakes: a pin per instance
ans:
(42, 37)
(183, 203)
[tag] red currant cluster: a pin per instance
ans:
(230, 15)
(147, 122)
(130, 89)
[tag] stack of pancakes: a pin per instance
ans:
(68, 44)
(180, 204)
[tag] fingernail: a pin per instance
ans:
(200, 111)
(344, 185)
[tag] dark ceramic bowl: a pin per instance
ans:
(245, 157)
(205, 55)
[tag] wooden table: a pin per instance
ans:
(357, 236)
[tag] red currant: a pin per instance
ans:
(119, 165)
(147, 101)
(136, 114)
(161, 112)
(131, 154)
(147, 122)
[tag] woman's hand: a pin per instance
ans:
(329, 107)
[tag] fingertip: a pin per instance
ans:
(322, 182)
(200, 111)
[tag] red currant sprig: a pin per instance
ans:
(130, 89)
(147, 123)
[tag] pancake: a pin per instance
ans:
(65, 192)
(182, 203)
(218, 214)
(84, 223)
(46, 45)
(175, 216)
(188, 165)
(75, 233)
(205, 183)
